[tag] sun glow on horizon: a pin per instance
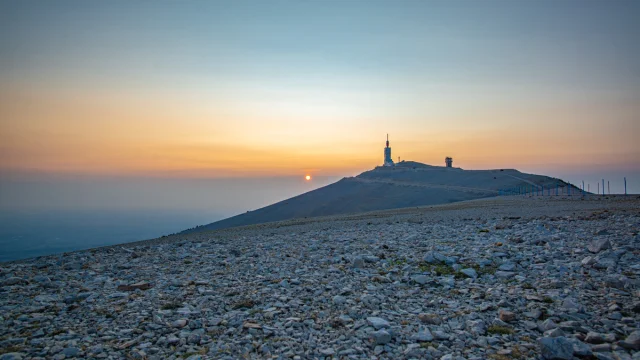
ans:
(308, 177)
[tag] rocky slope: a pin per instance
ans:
(508, 278)
(408, 184)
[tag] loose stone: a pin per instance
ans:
(381, 337)
(507, 316)
(558, 348)
(378, 323)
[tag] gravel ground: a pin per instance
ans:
(501, 278)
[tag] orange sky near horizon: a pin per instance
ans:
(128, 134)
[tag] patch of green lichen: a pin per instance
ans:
(516, 353)
(427, 344)
(10, 349)
(497, 329)
(484, 270)
(246, 303)
(440, 269)
(424, 267)
(171, 306)
(397, 262)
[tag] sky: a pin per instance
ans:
(264, 89)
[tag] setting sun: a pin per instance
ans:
(308, 177)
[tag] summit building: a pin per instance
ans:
(387, 155)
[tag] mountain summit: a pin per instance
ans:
(407, 184)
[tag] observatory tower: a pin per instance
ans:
(387, 154)
(448, 161)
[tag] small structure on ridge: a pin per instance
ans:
(448, 161)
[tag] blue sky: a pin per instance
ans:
(567, 43)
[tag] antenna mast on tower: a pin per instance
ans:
(387, 154)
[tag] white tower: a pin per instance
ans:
(387, 154)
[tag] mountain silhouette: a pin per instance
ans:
(408, 184)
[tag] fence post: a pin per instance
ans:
(603, 187)
(625, 186)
